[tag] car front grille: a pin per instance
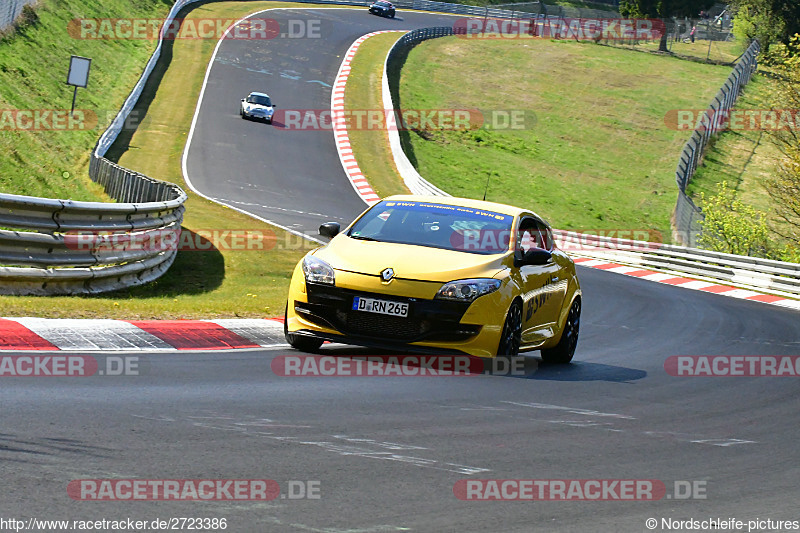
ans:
(375, 325)
(429, 320)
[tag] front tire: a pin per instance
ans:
(563, 351)
(299, 342)
(511, 337)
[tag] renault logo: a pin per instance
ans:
(387, 275)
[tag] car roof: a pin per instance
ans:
(258, 94)
(463, 202)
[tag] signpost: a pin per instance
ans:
(78, 75)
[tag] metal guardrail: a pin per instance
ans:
(688, 217)
(396, 56)
(749, 272)
(52, 246)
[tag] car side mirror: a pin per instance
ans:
(534, 256)
(329, 229)
(242, 99)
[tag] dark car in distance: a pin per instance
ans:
(382, 8)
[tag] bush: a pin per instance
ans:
(28, 17)
(733, 227)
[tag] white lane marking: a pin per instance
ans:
(657, 276)
(619, 269)
(697, 285)
(723, 442)
(574, 410)
(352, 446)
(741, 293)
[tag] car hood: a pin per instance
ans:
(407, 261)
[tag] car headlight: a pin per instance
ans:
(466, 290)
(317, 271)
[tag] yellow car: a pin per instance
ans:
(438, 275)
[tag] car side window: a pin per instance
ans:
(545, 236)
(526, 235)
(533, 233)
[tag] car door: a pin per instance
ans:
(540, 284)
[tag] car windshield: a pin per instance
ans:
(449, 227)
(258, 100)
(383, 4)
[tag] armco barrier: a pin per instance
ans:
(687, 220)
(41, 259)
(394, 60)
(749, 272)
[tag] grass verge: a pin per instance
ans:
(34, 60)
(201, 284)
(594, 153)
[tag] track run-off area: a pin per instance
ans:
(384, 454)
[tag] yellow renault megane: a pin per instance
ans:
(438, 275)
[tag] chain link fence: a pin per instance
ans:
(687, 220)
(10, 10)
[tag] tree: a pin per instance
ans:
(733, 227)
(784, 186)
(769, 21)
(663, 9)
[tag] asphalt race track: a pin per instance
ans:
(293, 178)
(386, 452)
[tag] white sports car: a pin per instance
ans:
(257, 105)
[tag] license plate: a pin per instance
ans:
(383, 307)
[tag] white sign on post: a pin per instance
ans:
(78, 75)
(78, 71)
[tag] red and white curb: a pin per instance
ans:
(686, 283)
(349, 163)
(30, 333)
